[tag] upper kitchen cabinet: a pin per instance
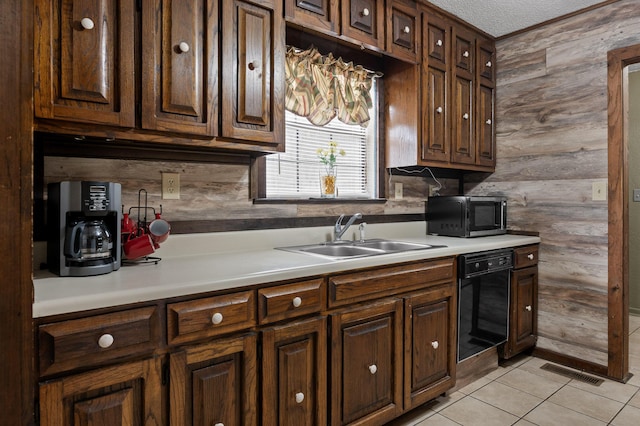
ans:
(454, 126)
(319, 15)
(84, 61)
(253, 56)
(363, 22)
(211, 72)
(403, 30)
(180, 66)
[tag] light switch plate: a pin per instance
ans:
(599, 191)
(398, 191)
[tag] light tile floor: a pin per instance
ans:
(523, 394)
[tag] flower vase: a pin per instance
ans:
(328, 176)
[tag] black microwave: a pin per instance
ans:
(461, 216)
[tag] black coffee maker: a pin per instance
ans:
(83, 222)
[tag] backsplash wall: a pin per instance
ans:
(221, 191)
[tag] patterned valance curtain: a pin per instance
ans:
(322, 87)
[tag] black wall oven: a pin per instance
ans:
(483, 301)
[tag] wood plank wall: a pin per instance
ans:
(551, 117)
(221, 191)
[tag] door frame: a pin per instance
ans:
(618, 244)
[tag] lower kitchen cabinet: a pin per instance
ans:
(294, 373)
(215, 383)
(430, 345)
(123, 395)
(366, 364)
(523, 310)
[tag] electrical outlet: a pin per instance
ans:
(432, 190)
(398, 189)
(636, 195)
(599, 191)
(170, 186)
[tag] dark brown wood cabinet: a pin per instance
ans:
(434, 81)
(294, 373)
(319, 15)
(455, 125)
(180, 66)
(403, 30)
(253, 43)
(84, 61)
(430, 345)
(363, 22)
(462, 96)
(122, 395)
(523, 310)
(366, 363)
(215, 383)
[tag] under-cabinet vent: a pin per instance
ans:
(572, 374)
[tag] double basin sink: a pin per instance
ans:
(353, 249)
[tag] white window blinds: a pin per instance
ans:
(296, 173)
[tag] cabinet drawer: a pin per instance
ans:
(94, 340)
(212, 316)
(525, 256)
(380, 282)
(291, 300)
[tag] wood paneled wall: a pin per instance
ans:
(221, 191)
(551, 117)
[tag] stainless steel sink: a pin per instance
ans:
(352, 249)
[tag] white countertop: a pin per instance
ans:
(199, 263)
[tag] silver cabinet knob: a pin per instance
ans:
(297, 301)
(87, 23)
(365, 12)
(488, 64)
(373, 368)
(465, 54)
(530, 256)
(219, 424)
(488, 121)
(435, 344)
(465, 116)
(439, 110)
(253, 65)
(183, 47)
(216, 318)
(528, 308)
(439, 43)
(299, 397)
(406, 29)
(105, 341)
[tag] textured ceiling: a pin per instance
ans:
(500, 17)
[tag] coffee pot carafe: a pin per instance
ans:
(88, 240)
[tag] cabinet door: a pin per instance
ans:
(294, 373)
(320, 15)
(435, 145)
(463, 148)
(486, 145)
(84, 61)
(366, 364)
(403, 30)
(214, 383)
(123, 395)
(253, 72)
(430, 345)
(180, 66)
(524, 295)
(363, 21)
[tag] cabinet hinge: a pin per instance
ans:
(165, 374)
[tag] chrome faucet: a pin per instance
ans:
(340, 229)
